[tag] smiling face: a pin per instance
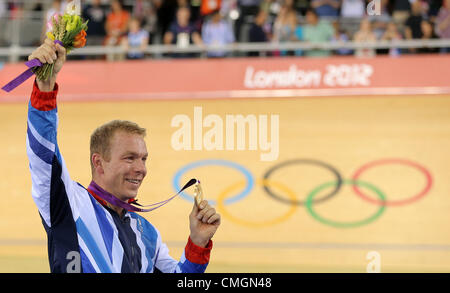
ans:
(124, 172)
(118, 158)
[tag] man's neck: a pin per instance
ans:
(118, 210)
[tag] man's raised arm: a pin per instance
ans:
(49, 178)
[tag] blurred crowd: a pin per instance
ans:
(136, 24)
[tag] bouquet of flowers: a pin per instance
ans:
(69, 31)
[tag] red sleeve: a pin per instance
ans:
(197, 254)
(43, 101)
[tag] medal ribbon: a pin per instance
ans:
(108, 197)
(26, 74)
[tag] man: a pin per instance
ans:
(217, 32)
(256, 33)
(86, 233)
(413, 23)
(96, 15)
(182, 33)
(317, 31)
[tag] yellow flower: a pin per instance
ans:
(73, 22)
(50, 36)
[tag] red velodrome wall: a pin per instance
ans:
(243, 77)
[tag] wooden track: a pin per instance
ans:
(343, 132)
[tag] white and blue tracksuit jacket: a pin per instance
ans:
(76, 222)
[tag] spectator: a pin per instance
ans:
(257, 33)
(391, 34)
(182, 33)
(284, 27)
(365, 34)
(427, 34)
(442, 26)
(96, 15)
(247, 8)
(327, 8)
(116, 23)
(316, 31)
(166, 14)
(413, 25)
(116, 27)
(401, 11)
(136, 40)
(217, 32)
(353, 8)
(340, 35)
(145, 12)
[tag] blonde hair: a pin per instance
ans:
(101, 137)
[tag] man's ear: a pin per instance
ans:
(97, 163)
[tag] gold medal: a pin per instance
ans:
(198, 193)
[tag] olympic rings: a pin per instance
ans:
(268, 184)
(313, 162)
(229, 164)
(394, 161)
(263, 182)
(336, 224)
